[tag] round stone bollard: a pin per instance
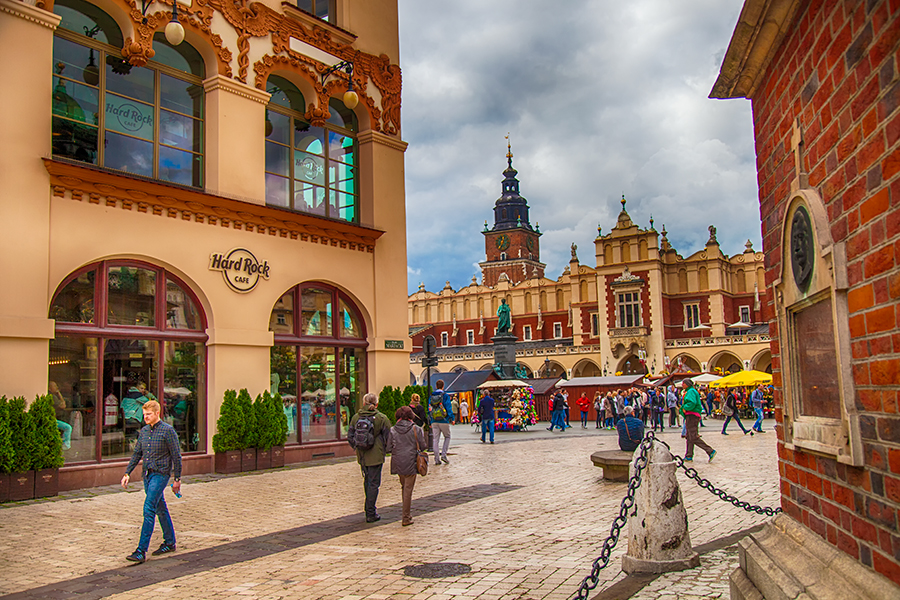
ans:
(658, 539)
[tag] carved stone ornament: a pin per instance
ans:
(802, 250)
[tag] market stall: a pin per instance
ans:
(514, 408)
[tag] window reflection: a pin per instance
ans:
(132, 296)
(183, 391)
(129, 380)
(317, 397)
(316, 315)
(283, 380)
(73, 386)
(181, 311)
(75, 302)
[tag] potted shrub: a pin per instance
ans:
(21, 477)
(264, 431)
(248, 439)
(6, 450)
(229, 433)
(280, 430)
(48, 455)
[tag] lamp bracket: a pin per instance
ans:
(346, 66)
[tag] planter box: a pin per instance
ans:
(21, 486)
(4, 487)
(228, 462)
(277, 453)
(46, 483)
(263, 458)
(248, 459)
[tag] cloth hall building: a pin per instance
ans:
(201, 206)
(637, 306)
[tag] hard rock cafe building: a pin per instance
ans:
(636, 306)
(185, 217)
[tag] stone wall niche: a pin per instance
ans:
(811, 305)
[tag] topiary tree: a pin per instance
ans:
(47, 440)
(276, 409)
(386, 401)
(267, 428)
(6, 448)
(230, 425)
(245, 402)
(21, 435)
(407, 395)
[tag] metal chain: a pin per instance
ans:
(590, 582)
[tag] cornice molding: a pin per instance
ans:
(220, 82)
(341, 36)
(107, 189)
(377, 137)
(757, 35)
(17, 8)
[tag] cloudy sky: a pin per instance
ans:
(600, 98)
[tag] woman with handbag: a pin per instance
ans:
(406, 444)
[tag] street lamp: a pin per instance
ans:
(174, 30)
(351, 98)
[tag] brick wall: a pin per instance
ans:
(837, 70)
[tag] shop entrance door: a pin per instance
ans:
(129, 380)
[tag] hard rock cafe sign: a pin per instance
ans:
(240, 268)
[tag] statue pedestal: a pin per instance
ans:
(505, 355)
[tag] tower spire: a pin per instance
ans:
(509, 154)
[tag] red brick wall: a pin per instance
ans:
(837, 70)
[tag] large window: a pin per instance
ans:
(143, 120)
(691, 315)
(628, 305)
(126, 333)
(322, 9)
(318, 362)
(310, 169)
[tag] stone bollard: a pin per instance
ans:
(658, 539)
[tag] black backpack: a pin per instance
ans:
(362, 435)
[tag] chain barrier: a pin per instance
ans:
(634, 482)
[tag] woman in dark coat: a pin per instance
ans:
(405, 436)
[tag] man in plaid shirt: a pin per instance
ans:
(158, 445)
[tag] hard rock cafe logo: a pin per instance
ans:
(240, 269)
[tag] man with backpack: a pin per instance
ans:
(368, 433)
(440, 410)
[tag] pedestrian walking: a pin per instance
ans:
(454, 403)
(486, 416)
(464, 411)
(758, 401)
(660, 409)
(730, 410)
(565, 415)
(583, 405)
(157, 445)
(404, 443)
(421, 418)
(710, 396)
(610, 410)
(368, 433)
(691, 409)
(631, 430)
(672, 404)
(599, 409)
(440, 410)
(620, 405)
(556, 413)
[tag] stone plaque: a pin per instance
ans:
(816, 363)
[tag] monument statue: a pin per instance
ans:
(503, 317)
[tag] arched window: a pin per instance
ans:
(310, 169)
(144, 120)
(126, 332)
(318, 362)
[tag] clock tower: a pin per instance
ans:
(512, 245)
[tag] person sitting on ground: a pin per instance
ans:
(631, 430)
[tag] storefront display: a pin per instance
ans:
(514, 407)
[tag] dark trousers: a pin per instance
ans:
(673, 416)
(371, 483)
(692, 423)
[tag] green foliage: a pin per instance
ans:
(387, 403)
(280, 418)
(6, 448)
(230, 426)
(267, 421)
(47, 439)
(249, 438)
(407, 395)
(21, 430)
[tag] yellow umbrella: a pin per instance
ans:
(742, 378)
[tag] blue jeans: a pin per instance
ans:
(584, 415)
(759, 419)
(155, 506)
(487, 426)
(557, 420)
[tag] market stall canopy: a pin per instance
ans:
(705, 378)
(615, 381)
(742, 378)
(469, 380)
(543, 386)
(502, 383)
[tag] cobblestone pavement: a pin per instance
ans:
(527, 515)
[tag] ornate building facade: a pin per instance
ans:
(199, 206)
(637, 306)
